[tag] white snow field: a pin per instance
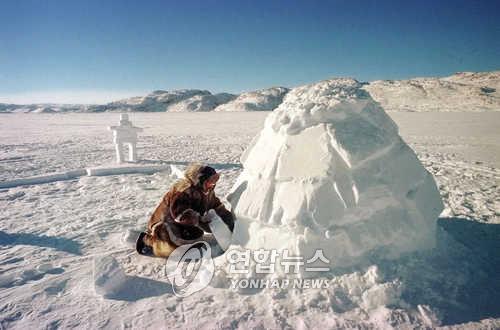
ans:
(66, 260)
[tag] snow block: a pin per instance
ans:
(329, 171)
(43, 179)
(93, 171)
(220, 230)
(115, 170)
(109, 278)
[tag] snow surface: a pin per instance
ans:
(329, 171)
(52, 234)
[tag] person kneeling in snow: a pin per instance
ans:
(182, 215)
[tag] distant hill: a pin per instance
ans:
(177, 100)
(464, 91)
(261, 100)
(44, 108)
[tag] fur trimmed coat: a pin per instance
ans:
(178, 219)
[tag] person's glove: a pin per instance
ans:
(188, 217)
(208, 216)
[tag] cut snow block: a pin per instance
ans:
(69, 175)
(330, 172)
(109, 278)
(118, 169)
(220, 230)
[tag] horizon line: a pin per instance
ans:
(102, 97)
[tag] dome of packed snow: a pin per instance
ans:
(329, 171)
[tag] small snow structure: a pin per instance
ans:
(330, 172)
(125, 133)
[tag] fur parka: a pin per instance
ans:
(178, 219)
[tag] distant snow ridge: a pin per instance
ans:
(178, 100)
(466, 91)
(261, 100)
(157, 101)
(43, 108)
(329, 171)
(482, 79)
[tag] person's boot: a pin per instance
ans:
(143, 244)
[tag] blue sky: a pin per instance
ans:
(94, 51)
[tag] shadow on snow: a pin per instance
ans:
(459, 277)
(58, 243)
(135, 288)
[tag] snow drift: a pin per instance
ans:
(329, 171)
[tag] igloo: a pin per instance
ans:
(329, 171)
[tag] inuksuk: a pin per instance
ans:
(125, 134)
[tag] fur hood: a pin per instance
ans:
(191, 178)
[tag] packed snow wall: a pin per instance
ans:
(329, 171)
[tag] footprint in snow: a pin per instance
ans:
(28, 275)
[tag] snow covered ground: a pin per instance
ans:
(51, 234)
